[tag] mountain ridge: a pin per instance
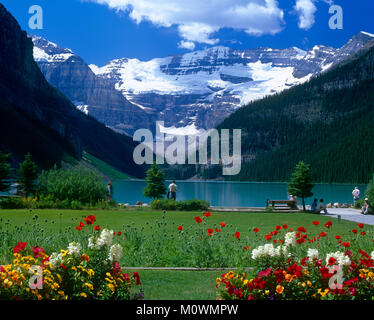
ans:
(199, 88)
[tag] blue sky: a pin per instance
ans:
(102, 30)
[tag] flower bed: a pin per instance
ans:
(283, 273)
(71, 273)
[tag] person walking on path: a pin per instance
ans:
(356, 195)
(366, 207)
(109, 191)
(173, 188)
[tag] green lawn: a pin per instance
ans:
(151, 231)
(179, 285)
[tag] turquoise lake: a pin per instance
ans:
(233, 194)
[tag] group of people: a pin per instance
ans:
(366, 208)
(318, 207)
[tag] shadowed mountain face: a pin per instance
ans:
(36, 117)
(195, 90)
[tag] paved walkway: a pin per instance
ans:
(351, 215)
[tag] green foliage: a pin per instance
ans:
(155, 187)
(12, 203)
(370, 191)
(27, 176)
(301, 182)
(5, 172)
(75, 186)
(171, 205)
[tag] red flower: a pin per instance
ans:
(338, 237)
(180, 228)
(81, 224)
(97, 228)
(363, 233)
(301, 229)
(331, 261)
(256, 230)
(217, 230)
(137, 278)
(78, 228)
(198, 220)
(316, 223)
(268, 237)
(285, 226)
(322, 234)
(19, 247)
(237, 235)
(207, 214)
(278, 227)
(328, 224)
(360, 225)
(346, 244)
(246, 248)
(209, 230)
(354, 231)
(90, 219)
(222, 224)
(119, 233)
(37, 251)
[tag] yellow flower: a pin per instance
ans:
(111, 287)
(267, 292)
(279, 289)
(39, 297)
(323, 293)
(89, 285)
(309, 284)
(61, 293)
(90, 272)
(245, 282)
(84, 295)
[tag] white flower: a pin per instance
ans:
(74, 248)
(312, 254)
(372, 255)
(55, 259)
(341, 259)
(268, 250)
(290, 238)
(115, 252)
(92, 243)
(106, 238)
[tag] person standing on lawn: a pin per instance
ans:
(173, 188)
(321, 207)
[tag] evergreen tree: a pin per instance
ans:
(301, 182)
(155, 187)
(5, 172)
(27, 176)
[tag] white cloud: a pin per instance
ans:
(186, 45)
(305, 10)
(197, 20)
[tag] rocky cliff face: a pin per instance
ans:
(36, 117)
(195, 90)
(91, 94)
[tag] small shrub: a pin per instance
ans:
(187, 205)
(164, 204)
(12, 203)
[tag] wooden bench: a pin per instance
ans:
(284, 204)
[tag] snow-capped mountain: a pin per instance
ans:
(196, 90)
